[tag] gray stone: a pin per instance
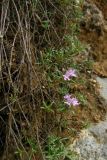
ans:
(103, 88)
(92, 143)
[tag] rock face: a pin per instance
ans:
(103, 87)
(93, 18)
(92, 143)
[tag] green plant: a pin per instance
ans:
(47, 107)
(19, 153)
(86, 124)
(88, 64)
(45, 24)
(75, 46)
(56, 149)
(82, 98)
(14, 96)
(63, 89)
(32, 145)
(33, 148)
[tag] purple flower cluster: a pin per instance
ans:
(69, 74)
(71, 101)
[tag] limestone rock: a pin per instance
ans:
(92, 143)
(93, 18)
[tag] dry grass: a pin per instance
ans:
(28, 28)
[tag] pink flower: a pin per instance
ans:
(70, 73)
(70, 101)
(74, 102)
(67, 96)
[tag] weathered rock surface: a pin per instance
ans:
(103, 87)
(93, 18)
(92, 143)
